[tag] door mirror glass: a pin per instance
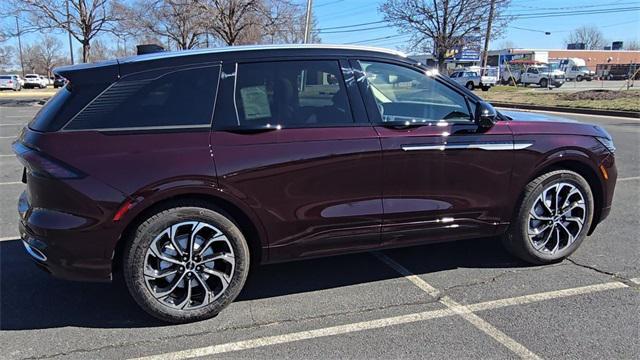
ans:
(486, 114)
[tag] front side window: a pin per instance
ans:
(407, 95)
(182, 98)
(291, 93)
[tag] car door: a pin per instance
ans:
(444, 176)
(292, 141)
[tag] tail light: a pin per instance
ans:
(43, 165)
(10, 81)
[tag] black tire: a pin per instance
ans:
(486, 88)
(544, 83)
(516, 239)
(136, 248)
(469, 85)
(579, 78)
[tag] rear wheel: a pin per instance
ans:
(486, 88)
(553, 219)
(186, 263)
(470, 85)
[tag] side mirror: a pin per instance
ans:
(486, 116)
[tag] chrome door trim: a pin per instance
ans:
(479, 146)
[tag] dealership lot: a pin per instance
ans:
(467, 299)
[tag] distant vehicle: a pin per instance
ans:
(10, 82)
(34, 81)
(471, 79)
(618, 71)
(576, 69)
(59, 81)
(20, 79)
(542, 76)
(45, 80)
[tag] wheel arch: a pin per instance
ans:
(579, 164)
(249, 224)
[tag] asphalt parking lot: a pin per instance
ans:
(467, 299)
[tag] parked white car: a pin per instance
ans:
(34, 81)
(542, 76)
(10, 82)
(472, 80)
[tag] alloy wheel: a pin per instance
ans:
(189, 265)
(556, 218)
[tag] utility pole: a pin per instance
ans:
(20, 45)
(487, 37)
(69, 32)
(307, 26)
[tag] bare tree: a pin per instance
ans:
(284, 22)
(443, 25)
(43, 56)
(589, 35)
(49, 53)
(180, 21)
(6, 56)
(87, 18)
(632, 45)
(233, 21)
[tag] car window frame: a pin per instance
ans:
(228, 103)
(370, 104)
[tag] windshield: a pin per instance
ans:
(583, 68)
(491, 72)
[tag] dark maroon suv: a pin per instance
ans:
(180, 169)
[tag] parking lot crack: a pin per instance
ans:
(252, 326)
(614, 275)
(496, 277)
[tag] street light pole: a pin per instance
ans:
(69, 32)
(20, 45)
(307, 26)
(487, 37)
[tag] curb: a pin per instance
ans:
(630, 114)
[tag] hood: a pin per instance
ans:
(534, 116)
(551, 124)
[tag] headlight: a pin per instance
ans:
(607, 142)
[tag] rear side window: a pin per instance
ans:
(291, 93)
(182, 98)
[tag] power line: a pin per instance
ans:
(354, 30)
(352, 25)
(378, 38)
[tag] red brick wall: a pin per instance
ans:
(593, 58)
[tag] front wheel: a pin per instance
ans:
(553, 218)
(579, 78)
(486, 88)
(470, 85)
(544, 83)
(186, 263)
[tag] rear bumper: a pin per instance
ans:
(63, 244)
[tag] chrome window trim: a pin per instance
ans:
(479, 146)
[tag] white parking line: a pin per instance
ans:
(7, 155)
(11, 124)
(9, 137)
(9, 238)
(380, 323)
(11, 183)
(629, 178)
(461, 310)
(635, 281)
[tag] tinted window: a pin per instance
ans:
(404, 94)
(4, 77)
(178, 98)
(291, 93)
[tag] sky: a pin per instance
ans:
(621, 25)
(522, 32)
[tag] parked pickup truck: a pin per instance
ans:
(542, 76)
(472, 80)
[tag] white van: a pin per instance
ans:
(576, 69)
